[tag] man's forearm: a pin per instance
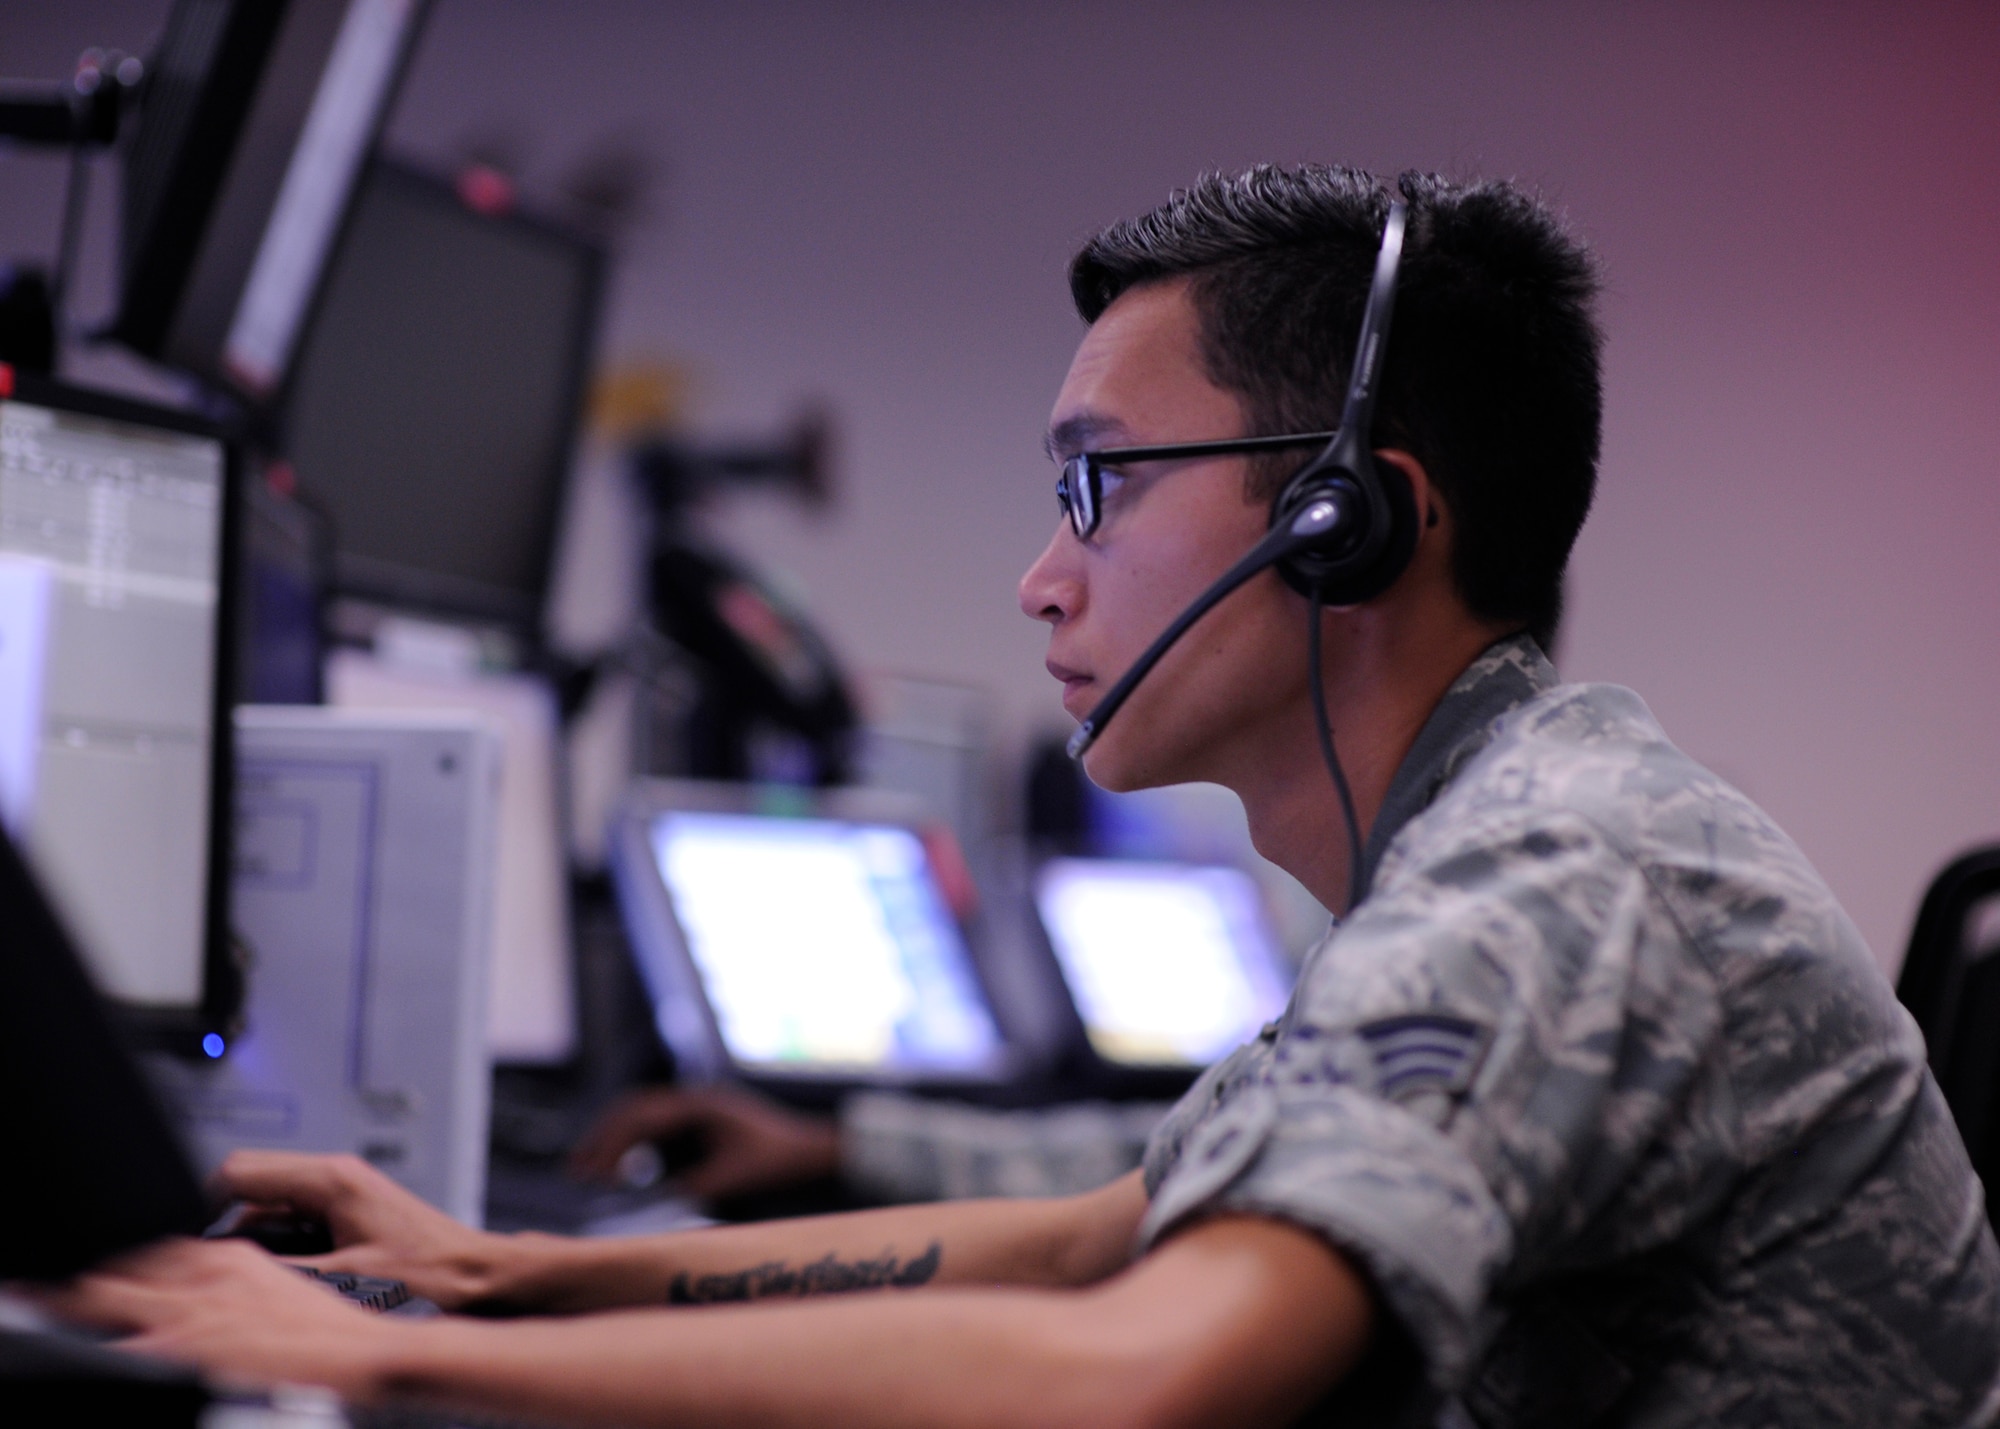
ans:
(1236, 1323)
(1071, 1241)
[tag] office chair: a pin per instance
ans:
(1950, 982)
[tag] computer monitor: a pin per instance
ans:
(789, 935)
(1169, 964)
(436, 393)
(254, 120)
(117, 590)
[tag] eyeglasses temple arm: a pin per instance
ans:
(1222, 446)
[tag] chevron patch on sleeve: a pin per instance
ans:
(1424, 1052)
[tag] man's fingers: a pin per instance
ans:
(93, 1300)
(182, 1259)
(351, 1260)
(300, 1180)
(275, 1178)
(158, 1344)
(129, 1294)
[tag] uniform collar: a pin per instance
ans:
(1508, 673)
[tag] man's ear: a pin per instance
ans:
(1431, 509)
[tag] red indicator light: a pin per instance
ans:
(486, 191)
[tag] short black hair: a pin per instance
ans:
(1492, 374)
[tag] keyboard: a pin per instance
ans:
(295, 1234)
(372, 1292)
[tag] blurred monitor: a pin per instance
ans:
(1169, 964)
(254, 120)
(279, 635)
(115, 612)
(531, 975)
(436, 393)
(812, 941)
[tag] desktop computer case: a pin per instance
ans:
(362, 893)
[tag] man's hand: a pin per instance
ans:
(750, 1143)
(378, 1227)
(231, 1308)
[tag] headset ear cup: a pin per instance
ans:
(1365, 561)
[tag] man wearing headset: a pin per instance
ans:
(1592, 1109)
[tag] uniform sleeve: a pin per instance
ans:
(903, 1148)
(1473, 1070)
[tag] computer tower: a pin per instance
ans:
(362, 895)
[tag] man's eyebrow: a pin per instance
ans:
(1080, 432)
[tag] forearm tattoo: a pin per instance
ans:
(826, 1276)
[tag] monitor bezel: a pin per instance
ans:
(158, 276)
(181, 1030)
(672, 978)
(396, 587)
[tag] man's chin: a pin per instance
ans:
(1117, 769)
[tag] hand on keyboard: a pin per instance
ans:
(378, 1228)
(291, 1234)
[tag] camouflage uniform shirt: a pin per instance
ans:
(1604, 1092)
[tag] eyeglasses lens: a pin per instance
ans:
(1076, 493)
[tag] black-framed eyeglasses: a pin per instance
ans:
(1080, 484)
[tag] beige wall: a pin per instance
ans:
(1796, 206)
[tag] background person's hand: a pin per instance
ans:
(378, 1227)
(747, 1143)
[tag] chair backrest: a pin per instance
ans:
(1950, 982)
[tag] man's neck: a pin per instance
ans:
(1380, 691)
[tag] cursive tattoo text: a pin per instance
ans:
(828, 1275)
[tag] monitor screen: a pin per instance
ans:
(254, 122)
(1168, 963)
(823, 945)
(114, 523)
(436, 393)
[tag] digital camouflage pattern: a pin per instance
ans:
(898, 1147)
(1606, 1094)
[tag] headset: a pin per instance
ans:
(1341, 532)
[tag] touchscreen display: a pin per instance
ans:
(1168, 963)
(823, 944)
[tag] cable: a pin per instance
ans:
(1314, 611)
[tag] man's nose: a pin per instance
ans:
(1051, 589)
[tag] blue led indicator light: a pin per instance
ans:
(212, 1044)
